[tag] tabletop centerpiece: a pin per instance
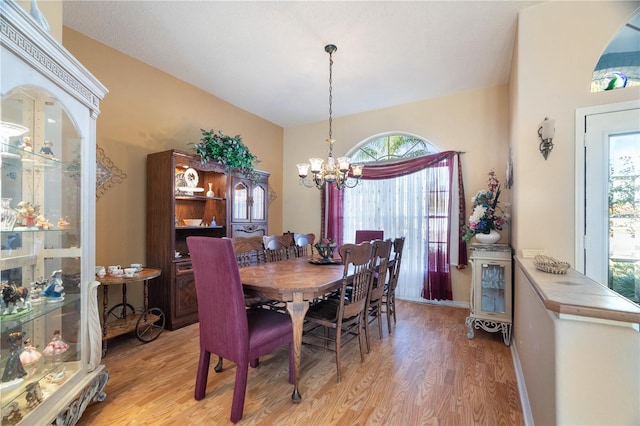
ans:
(485, 222)
(325, 248)
(229, 151)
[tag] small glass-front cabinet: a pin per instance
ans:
(249, 206)
(491, 290)
(50, 337)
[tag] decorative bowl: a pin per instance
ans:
(192, 222)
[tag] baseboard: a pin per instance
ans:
(522, 387)
(451, 303)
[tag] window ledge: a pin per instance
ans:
(575, 294)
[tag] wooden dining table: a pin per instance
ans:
(297, 282)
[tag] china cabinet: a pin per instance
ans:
(50, 336)
(179, 204)
(491, 290)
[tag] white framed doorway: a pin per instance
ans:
(605, 239)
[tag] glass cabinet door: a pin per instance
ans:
(492, 288)
(240, 210)
(40, 257)
(258, 204)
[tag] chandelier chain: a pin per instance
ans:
(330, 94)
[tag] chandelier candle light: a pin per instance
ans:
(333, 170)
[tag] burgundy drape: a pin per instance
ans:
(437, 278)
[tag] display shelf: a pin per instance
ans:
(47, 235)
(235, 197)
(491, 298)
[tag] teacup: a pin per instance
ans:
(129, 272)
(113, 268)
(101, 271)
(137, 266)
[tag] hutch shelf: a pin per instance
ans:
(50, 337)
(179, 205)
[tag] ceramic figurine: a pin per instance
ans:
(54, 292)
(56, 346)
(16, 296)
(57, 378)
(30, 354)
(11, 414)
(34, 395)
(46, 150)
(26, 144)
(13, 369)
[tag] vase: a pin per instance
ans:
(210, 193)
(8, 215)
(491, 238)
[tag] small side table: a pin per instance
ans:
(122, 318)
(491, 299)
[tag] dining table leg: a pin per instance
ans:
(297, 310)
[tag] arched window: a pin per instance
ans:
(401, 206)
(619, 64)
(390, 147)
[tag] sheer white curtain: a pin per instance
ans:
(399, 206)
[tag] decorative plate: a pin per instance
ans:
(191, 178)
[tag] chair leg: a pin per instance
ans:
(338, 346)
(218, 367)
(202, 375)
(378, 314)
(360, 331)
(254, 363)
(365, 317)
(388, 309)
(239, 391)
(393, 306)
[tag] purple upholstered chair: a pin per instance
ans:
(363, 235)
(227, 328)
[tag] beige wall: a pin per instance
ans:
(475, 122)
(557, 47)
(147, 111)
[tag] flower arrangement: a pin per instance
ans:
(325, 247)
(230, 151)
(484, 217)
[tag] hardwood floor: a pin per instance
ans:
(426, 373)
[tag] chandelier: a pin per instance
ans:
(332, 170)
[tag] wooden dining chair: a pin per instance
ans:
(389, 296)
(344, 315)
(248, 250)
(381, 254)
(363, 235)
(278, 247)
(304, 244)
(227, 328)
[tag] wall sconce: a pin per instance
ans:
(546, 131)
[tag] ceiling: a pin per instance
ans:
(268, 58)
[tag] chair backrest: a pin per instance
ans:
(304, 244)
(398, 246)
(278, 247)
(381, 256)
(363, 235)
(222, 313)
(249, 250)
(358, 275)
